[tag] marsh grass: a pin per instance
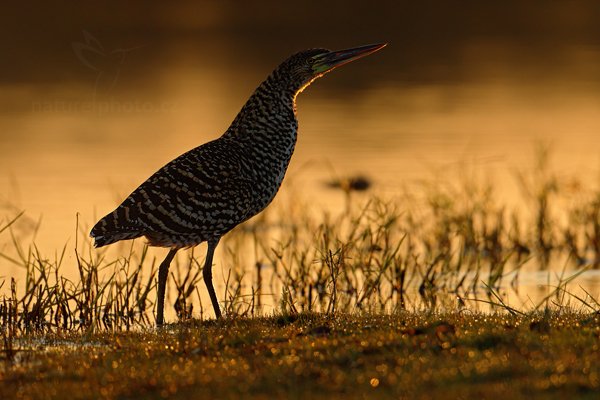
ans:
(463, 354)
(406, 298)
(450, 244)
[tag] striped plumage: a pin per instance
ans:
(201, 194)
(206, 192)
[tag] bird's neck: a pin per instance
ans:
(270, 113)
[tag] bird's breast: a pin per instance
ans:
(266, 162)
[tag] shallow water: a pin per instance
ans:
(75, 139)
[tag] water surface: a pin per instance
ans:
(79, 130)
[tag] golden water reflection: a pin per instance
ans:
(72, 148)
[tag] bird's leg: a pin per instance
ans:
(163, 273)
(207, 274)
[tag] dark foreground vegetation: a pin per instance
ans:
(405, 355)
(409, 298)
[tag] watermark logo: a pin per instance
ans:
(105, 63)
(106, 66)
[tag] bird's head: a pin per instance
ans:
(301, 69)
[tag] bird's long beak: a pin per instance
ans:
(328, 61)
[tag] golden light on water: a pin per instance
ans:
(449, 94)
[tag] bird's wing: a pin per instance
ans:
(203, 191)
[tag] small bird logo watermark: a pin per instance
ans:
(105, 63)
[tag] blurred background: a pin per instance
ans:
(95, 96)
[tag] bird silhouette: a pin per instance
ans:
(204, 193)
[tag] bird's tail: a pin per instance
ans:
(108, 230)
(103, 240)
